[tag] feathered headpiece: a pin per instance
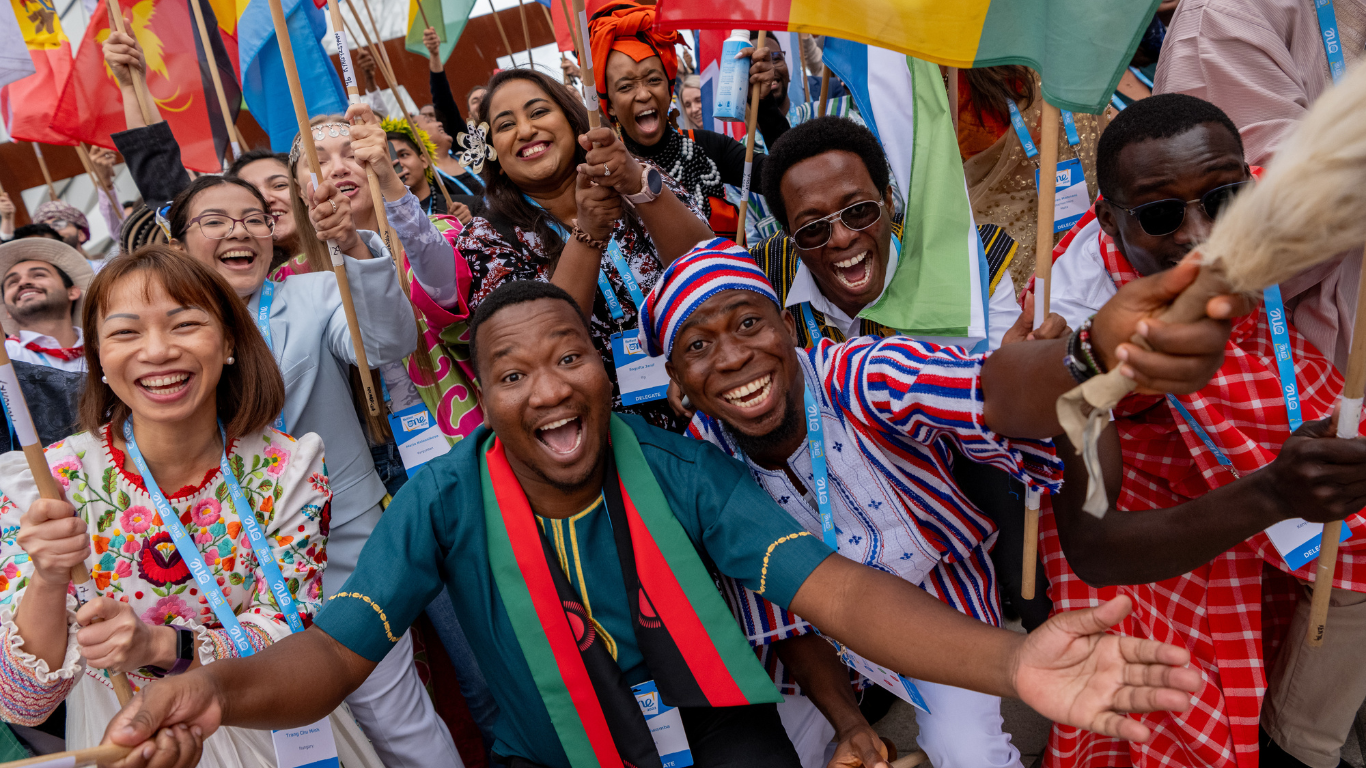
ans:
(401, 127)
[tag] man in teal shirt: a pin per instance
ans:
(562, 631)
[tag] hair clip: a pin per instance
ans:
(162, 221)
(477, 148)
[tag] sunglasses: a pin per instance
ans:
(856, 218)
(1163, 217)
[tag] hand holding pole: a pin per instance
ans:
(140, 91)
(752, 128)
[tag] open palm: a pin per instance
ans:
(1069, 671)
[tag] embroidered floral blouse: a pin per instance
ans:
(134, 560)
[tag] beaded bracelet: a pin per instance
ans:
(1081, 360)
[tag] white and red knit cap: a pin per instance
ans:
(711, 267)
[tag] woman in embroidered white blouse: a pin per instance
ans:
(171, 349)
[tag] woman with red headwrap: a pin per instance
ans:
(635, 71)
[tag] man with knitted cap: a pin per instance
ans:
(634, 68)
(68, 220)
(846, 437)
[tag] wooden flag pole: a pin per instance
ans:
(579, 21)
(1349, 418)
(84, 154)
(233, 136)
(526, 32)
(503, 34)
(386, 70)
(101, 755)
(752, 128)
(801, 62)
(296, 92)
(1043, 269)
(22, 422)
(953, 96)
(425, 24)
(42, 166)
(140, 91)
(572, 21)
(825, 90)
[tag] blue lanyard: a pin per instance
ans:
(811, 326)
(1285, 362)
(1017, 120)
(623, 269)
(1117, 102)
(208, 585)
(1332, 41)
(815, 445)
(1142, 78)
(1069, 124)
(1202, 434)
(263, 324)
(458, 182)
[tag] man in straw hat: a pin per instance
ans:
(43, 283)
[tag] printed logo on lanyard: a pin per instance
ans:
(1285, 361)
(1069, 123)
(1332, 41)
(263, 324)
(815, 445)
(185, 546)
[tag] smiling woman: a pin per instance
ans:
(174, 360)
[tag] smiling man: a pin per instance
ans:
(579, 549)
(855, 441)
(43, 282)
(1203, 475)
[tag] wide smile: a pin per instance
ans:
(348, 188)
(238, 259)
(278, 212)
(165, 386)
(752, 395)
(562, 436)
(533, 150)
(29, 291)
(648, 120)
(854, 273)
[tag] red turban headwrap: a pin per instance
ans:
(629, 27)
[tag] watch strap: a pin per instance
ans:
(645, 195)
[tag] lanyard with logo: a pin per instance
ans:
(1285, 362)
(1069, 123)
(263, 323)
(815, 445)
(1332, 41)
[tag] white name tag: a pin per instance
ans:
(898, 684)
(641, 378)
(417, 435)
(311, 746)
(1071, 197)
(1298, 541)
(666, 726)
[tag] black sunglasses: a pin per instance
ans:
(1163, 217)
(857, 217)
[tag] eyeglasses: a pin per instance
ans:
(216, 226)
(1163, 217)
(857, 217)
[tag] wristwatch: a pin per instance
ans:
(184, 653)
(651, 184)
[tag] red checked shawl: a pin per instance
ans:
(1222, 610)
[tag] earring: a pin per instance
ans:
(231, 360)
(104, 379)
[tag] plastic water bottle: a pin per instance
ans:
(732, 85)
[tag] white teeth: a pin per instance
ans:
(740, 395)
(169, 382)
(239, 254)
(533, 150)
(557, 424)
(852, 262)
(647, 113)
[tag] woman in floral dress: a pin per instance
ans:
(172, 352)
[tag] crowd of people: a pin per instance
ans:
(658, 499)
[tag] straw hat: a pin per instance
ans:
(54, 252)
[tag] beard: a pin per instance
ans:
(792, 425)
(50, 307)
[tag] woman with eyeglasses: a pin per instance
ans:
(223, 223)
(176, 419)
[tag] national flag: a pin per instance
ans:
(27, 103)
(448, 16)
(90, 108)
(940, 284)
(264, 84)
(227, 13)
(15, 62)
(1079, 47)
(564, 39)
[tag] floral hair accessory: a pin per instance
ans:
(320, 132)
(477, 148)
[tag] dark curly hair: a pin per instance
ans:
(1160, 116)
(816, 137)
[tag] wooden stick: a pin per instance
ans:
(583, 40)
(42, 166)
(22, 421)
(911, 760)
(84, 154)
(101, 755)
(825, 90)
(801, 63)
(570, 19)
(752, 128)
(1349, 417)
(296, 92)
(503, 34)
(425, 24)
(217, 80)
(1043, 270)
(953, 97)
(526, 31)
(140, 91)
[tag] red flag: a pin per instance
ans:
(27, 103)
(90, 107)
(563, 38)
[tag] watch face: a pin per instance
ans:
(655, 182)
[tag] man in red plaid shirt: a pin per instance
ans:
(1185, 536)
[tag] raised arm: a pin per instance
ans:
(150, 151)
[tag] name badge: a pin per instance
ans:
(311, 746)
(666, 726)
(418, 437)
(1298, 541)
(641, 378)
(1071, 198)
(897, 684)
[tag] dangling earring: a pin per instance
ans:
(104, 379)
(231, 360)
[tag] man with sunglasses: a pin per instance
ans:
(1195, 480)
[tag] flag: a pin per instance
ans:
(1079, 47)
(940, 284)
(709, 43)
(27, 103)
(448, 16)
(564, 39)
(227, 13)
(264, 85)
(15, 62)
(90, 108)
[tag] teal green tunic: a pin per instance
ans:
(433, 536)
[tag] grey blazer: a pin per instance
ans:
(312, 345)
